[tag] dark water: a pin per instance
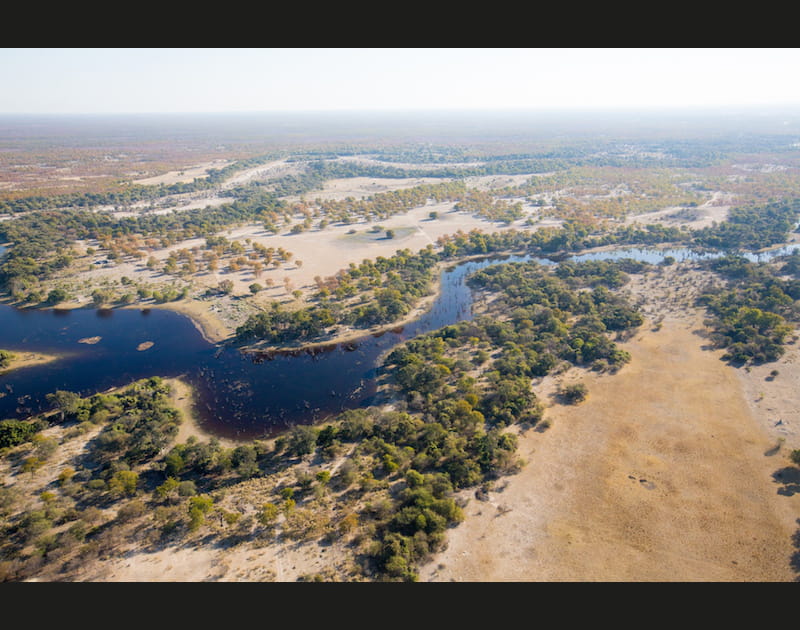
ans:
(239, 395)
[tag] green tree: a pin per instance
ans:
(167, 489)
(5, 358)
(123, 483)
(199, 506)
(13, 432)
(57, 295)
(226, 286)
(268, 514)
(574, 393)
(67, 403)
(302, 440)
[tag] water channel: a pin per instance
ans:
(238, 395)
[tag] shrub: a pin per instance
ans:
(57, 295)
(5, 358)
(13, 432)
(574, 393)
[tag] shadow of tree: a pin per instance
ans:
(773, 450)
(794, 562)
(789, 478)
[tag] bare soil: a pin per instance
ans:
(187, 174)
(27, 359)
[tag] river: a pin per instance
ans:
(239, 396)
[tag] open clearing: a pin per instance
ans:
(184, 175)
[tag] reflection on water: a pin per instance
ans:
(239, 395)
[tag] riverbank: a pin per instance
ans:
(346, 334)
(216, 328)
(28, 359)
(213, 329)
(182, 398)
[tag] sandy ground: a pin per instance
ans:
(773, 400)
(174, 203)
(27, 359)
(322, 253)
(188, 174)
(715, 209)
(362, 187)
(269, 170)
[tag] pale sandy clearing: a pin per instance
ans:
(361, 187)
(270, 170)
(188, 174)
(490, 182)
(702, 216)
(28, 359)
(664, 473)
(322, 253)
(362, 159)
(172, 203)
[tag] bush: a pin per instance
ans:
(57, 295)
(5, 358)
(14, 432)
(573, 394)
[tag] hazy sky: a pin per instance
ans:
(112, 80)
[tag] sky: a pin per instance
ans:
(189, 80)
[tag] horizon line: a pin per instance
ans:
(431, 110)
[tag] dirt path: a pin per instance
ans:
(662, 474)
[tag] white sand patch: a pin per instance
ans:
(271, 170)
(188, 174)
(362, 187)
(368, 161)
(174, 203)
(716, 209)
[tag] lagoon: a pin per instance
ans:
(239, 395)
